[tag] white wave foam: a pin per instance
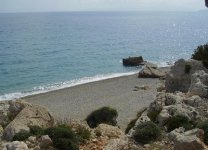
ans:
(62, 85)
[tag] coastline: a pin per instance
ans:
(78, 101)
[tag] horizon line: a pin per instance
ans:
(102, 11)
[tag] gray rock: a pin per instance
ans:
(177, 79)
(16, 145)
(199, 84)
(163, 117)
(132, 61)
(193, 101)
(29, 116)
(190, 140)
(45, 142)
(148, 72)
(175, 133)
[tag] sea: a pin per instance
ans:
(41, 52)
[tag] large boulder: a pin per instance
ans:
(133, 61)
(189, 140)
(149, 72)
(9, 110)
(29, 116)
(179, 77)
(199, 84)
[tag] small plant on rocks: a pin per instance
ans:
(147, 132)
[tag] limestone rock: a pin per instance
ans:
(16, 106)
(158, 103)
(16, 145)
(175, 133)
(199, 84)
(163, 117)
(148, 72)
(193, 101)
(177, 79)
(189, 140)
(45, 142)
(116, 144)
(109, 131)
(29, 116)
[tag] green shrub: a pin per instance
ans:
(63, 137)
(153, 115)
(201, 54)
(105, 115)
(204, 126)
(187, 68)
(179, 121)
(146, 132)
(35, 130)
(21, 136)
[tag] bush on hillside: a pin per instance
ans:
(63, 138)
(179, 121)
(147, 132)
(187, 68)
(201, 54)
(21, 136)
(204, 126)
(104, 115)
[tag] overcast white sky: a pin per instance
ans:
(100, 5)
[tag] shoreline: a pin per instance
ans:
(63, 85)
(79, 101)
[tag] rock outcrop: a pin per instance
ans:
(199, 84)
(29, 116)
(133, 61)
(189, 140)
(180, 80)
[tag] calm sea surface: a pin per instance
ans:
(46, 51)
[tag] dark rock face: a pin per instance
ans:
(206, 3)
(133, 61)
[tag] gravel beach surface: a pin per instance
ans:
(79, 101)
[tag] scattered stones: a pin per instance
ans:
(143, 87)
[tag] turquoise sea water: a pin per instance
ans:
(46, 51)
